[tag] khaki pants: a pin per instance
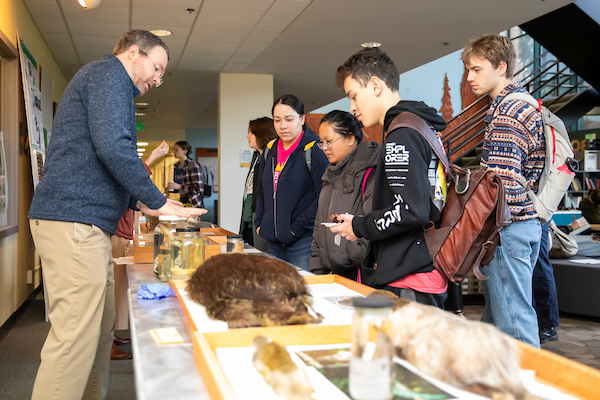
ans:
(121, 284)
(78, 272)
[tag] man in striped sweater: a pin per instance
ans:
(513, 147)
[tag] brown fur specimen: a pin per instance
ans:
(251, 290)
(470, 355)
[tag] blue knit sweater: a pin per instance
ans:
(92, 172)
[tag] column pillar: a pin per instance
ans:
(242, 97)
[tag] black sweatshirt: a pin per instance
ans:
(402, 202)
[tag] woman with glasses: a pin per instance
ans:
(288, 191)
(347, 188)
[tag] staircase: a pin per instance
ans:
(562, 91)
(565, 77)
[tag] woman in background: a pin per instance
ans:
(288, 190)
(187, 177)
(260, 132)
(346, 189)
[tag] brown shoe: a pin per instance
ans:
(120, 341)
(118, 354)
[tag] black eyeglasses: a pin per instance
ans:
(156, 68)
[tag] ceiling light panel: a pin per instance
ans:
(177, 32)
(242, 7)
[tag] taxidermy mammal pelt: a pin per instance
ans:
(470, 355)
(250, 290)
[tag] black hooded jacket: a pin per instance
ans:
(402, 202)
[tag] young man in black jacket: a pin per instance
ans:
(407, 181)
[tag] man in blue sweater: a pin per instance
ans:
(92, 175)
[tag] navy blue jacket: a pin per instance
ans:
(93, 172)
(284, 216)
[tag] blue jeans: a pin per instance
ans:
(545, 299)
(296, 253)
(508, 291)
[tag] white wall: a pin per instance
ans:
(242, 97)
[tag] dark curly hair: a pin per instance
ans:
(366, 64)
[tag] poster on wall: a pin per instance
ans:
(33, 110)
(3, 185)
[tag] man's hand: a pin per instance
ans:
(173, 185)
(171, 207)
(345, 229)
(258, 230)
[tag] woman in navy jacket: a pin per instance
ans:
(288, 191)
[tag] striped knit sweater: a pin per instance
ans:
(514, 146)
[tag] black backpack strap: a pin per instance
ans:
(409, 120)
(308, 155)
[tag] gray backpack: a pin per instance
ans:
(559, 166)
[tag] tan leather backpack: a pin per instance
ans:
(475, 211)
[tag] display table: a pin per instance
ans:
(170, 371)
(576, 282)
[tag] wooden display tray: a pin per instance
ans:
(551, 369)
(218, 235)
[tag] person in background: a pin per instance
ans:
(590, 207)
(545, 297)
(347, 188)
(260, 132)
(187, 177)
(91, 176)
(290, 183)
(514, 148)
(120, 239)
(407, 184)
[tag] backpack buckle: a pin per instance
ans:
(428, 226)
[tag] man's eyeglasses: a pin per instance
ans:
(156, 68)
(327, 145)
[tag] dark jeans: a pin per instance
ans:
(454, 302)
(545, 299)
(296, 253)
(423, 298)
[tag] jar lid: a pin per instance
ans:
(234, 236)
(373, 302)
(188, 229)
(171, 218)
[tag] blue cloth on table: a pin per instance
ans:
(154, 291)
